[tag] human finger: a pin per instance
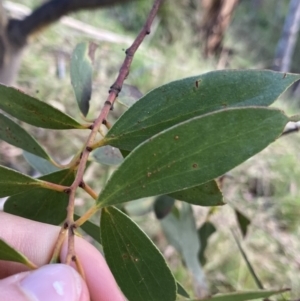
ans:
(36, 240)
(58, 282)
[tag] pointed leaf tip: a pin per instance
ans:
(178, 159)
(8, 253)
(184, 99)
(81, 74)
(207, 194)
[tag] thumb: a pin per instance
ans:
(50, 282)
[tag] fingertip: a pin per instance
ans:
(50, 282)
(54, 282)
(100, 281)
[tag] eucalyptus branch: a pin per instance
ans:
(53, 186)
(101, 119)
(88, 190)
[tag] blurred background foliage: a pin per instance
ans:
(266, 188)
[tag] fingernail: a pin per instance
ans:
(53, 282)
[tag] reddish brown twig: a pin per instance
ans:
(113, 93)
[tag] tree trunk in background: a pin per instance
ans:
(15, 33)
(9, 54)
(217, 15)
(286, 45)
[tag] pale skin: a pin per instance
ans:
(36, 241)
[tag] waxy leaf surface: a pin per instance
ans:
(15, 135)
(39, 164)
(193, 152)
(34, 111)
(13, 182)
(207, 194)
(181, 232)
(137, 265)
(81, 75)
(194, 96)
(108, 155)
(43, 205)
(8, 253)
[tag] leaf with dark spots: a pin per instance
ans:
(15, 135)
(34, 111)
(137, 265)
(217, 142)
(207, 194)
(42, 205)
(184, 99)
(82, 73)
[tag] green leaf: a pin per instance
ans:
(82, 73)
(41, 165)
(124, 153)
(8, 253)
(108, 155)
(244, 296)
(91, 229)
(192, 153)
(139, 207)
(181, 291)
(15, 135)
(204, 232)
(129, 95)
(43, 205)
(13, 182)
(34, 111)
(243, 222)
(137, 265)
(182, 234)
(184, 99)
(163, 206)
(207, 194)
